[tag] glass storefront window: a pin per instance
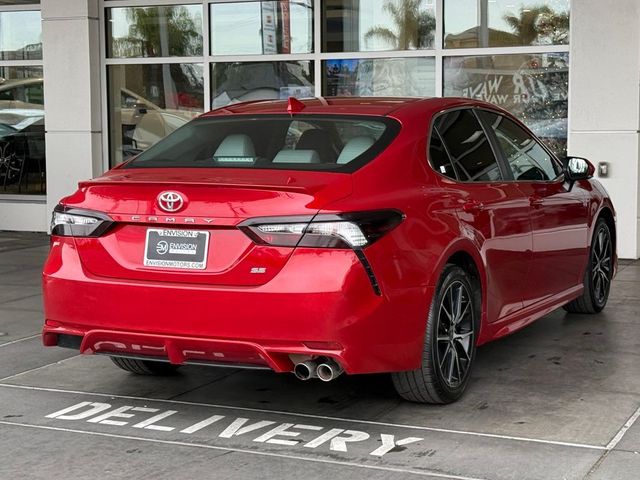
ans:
(233, 82)
(534, 87)
(261, 27)
(148, 102)
(375, 25)
(392, 77)
(20, 35)
(22, 147)
(164, 31)
(505, 23)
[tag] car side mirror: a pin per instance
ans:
(577, 168)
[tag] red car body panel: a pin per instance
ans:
(528, 241)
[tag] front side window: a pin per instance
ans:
(527, 159)
(468, 146)
(272, 142)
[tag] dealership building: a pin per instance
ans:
(85, 84)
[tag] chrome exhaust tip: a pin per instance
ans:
(306, 370)
(329, 370)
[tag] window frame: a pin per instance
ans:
(498, 156)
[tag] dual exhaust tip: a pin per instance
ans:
(325, 369)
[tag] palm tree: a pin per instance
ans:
(536, 23)
(159, 32)
(413, 28)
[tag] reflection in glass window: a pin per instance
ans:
(22, 147)
(534, 87)
(148, 102)
(396, 77)
(471, 153)
(262, 27)
(234, 82)
(526, 157)
(20, 36)
(504, 23)
(373, 25)
(439, 158)
(165, 31)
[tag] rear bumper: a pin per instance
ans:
(320, 304)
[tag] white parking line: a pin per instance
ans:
(36, 369)
(628, 424)
(423, 473)
(309, 415)
(19, 340)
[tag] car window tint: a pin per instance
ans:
(526, 157)
(313, 142)
(468, 146)
(438, 157)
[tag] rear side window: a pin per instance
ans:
(468, 146)
(318, 142)
(526, 158)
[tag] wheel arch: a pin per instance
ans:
(467, 257)
(607, 215)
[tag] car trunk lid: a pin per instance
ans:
(215, 201)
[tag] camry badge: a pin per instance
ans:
(170, 201)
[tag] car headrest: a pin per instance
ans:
(354, 147)
(297, 156)
(235, 148)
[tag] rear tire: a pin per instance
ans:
(449, 345)
(145, 367)
(597, 276)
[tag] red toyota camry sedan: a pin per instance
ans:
(326, 236)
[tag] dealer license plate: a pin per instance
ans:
(176, 249)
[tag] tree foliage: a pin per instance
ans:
(414, 28)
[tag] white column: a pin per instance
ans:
(604, 103)
(71, 51)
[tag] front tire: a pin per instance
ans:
(450, 343)
(145, 367)
(598, 274)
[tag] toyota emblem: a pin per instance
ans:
(170, 201)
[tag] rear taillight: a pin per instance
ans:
(349, 230)
(75, 222)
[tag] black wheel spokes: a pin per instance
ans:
(455, 334)
(601, 266)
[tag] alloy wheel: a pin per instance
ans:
(455, 341)
(601, 266)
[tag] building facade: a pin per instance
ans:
(85, 84)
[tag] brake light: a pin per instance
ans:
(350, 230)
(75, 222)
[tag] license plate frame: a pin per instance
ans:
(176, 248)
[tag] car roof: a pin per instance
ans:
(345, 106)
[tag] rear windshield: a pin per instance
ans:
(313, 142)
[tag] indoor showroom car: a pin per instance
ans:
(326, 236)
